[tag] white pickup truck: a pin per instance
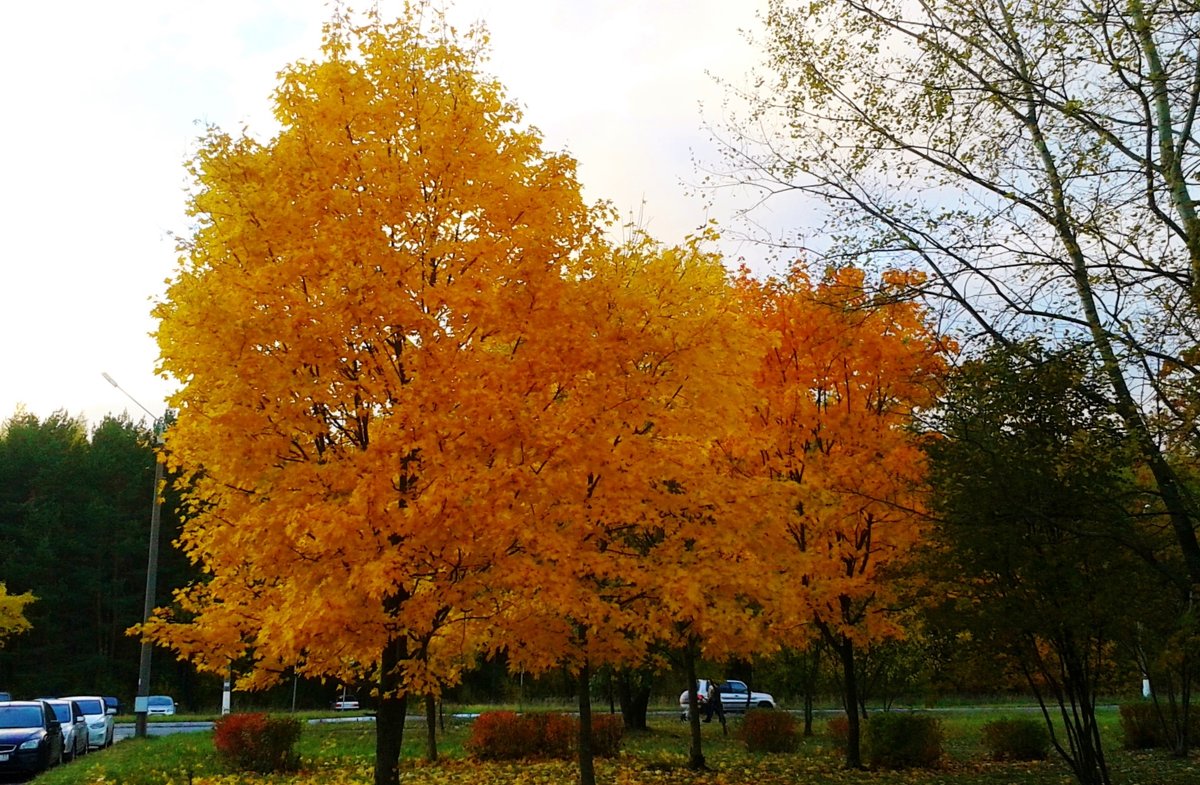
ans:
(736, 698)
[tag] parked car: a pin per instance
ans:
(31, 739)
(74, 727)
(736, 698)
(347, 701)
(160, 704)
(99, 719)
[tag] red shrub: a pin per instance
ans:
(767, 730)
(556, 734)
(607, 732)
(256, 742)
(504, 735)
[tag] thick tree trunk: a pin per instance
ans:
(389, 719)
(587, 764)
(633, 694)
(431, 716)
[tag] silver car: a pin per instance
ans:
(74, 727)
(99, 719)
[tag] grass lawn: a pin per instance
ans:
(340, 754)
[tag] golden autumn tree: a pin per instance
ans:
(357, 325)
(637, 511)
(848, 371)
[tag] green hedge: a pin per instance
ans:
(1017, 739)
(902, 741)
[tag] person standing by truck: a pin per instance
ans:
(713, 705)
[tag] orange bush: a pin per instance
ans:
(257, 742)
(502, 735)
(607, 732)
(766, 730)
(556, 734)
(505, 735)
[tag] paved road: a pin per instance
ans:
(125, 730)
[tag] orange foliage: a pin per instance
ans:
(840, 387)
(426, 408)
(634, 510)
(358, 323)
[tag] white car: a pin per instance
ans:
(160, 704)
(736, 698)
(99, 719)
(74, 728)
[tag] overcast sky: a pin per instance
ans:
(103, 102)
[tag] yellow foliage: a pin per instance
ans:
(12, 613)
(356, 321)
(426, 408)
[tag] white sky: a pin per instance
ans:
(103, 102)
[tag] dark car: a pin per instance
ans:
(31, 738)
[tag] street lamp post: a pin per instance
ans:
(143, 689)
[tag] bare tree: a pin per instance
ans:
(1038, 158)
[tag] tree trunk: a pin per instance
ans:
(633, 693)
(431, 716)
(696, 751)
(1065, 678)
(845, 650)
(389, 720)
(810, 672)
(587, 765)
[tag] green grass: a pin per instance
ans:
(342, 753)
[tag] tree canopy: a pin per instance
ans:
(846, 374)
(429, 410)
(1033, 157)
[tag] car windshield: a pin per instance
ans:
(159, 700)
(62, 711)
(91, 707)
(20, 717)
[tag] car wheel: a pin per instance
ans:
(765, 705)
